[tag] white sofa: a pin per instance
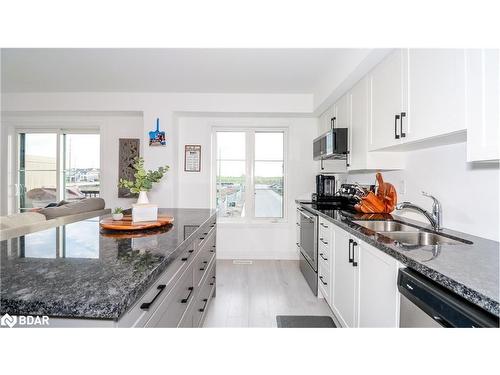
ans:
(28, 222)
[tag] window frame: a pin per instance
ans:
(60, 155)
(250, 131)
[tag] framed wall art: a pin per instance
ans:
(192, 158)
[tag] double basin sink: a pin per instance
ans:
(407, 234)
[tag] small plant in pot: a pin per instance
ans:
(118, 213)
(144, 180)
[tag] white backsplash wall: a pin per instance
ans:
(469, 192)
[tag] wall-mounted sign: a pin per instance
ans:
(192, 158)
(157, 137)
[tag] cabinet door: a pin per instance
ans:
(344, 295)
(358, 140)
(483, 104)
(388, 100)
(342, 112)
(378, 291)
(436, 89)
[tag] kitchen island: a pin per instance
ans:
(80, 275)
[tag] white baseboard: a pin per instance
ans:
(257, 256)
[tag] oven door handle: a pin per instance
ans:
(307, 216)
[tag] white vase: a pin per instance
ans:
(117, 216)
(143, 198)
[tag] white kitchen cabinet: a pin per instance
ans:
(378, 304)
(483, 105)
(365, 292)
(344, 280)
(436, 92)
(341, 112)
(388, 100)
(360, 158)
(325, 259)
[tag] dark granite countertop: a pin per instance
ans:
(78, 271)
(469, 270)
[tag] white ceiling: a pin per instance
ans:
(172, 70)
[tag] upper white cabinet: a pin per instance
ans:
(388, 100)
(378, 291)
(342, 112)
(359, 157)
(436, 93)
(483, 105)
(417, 94)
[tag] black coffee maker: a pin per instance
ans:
(326, 189)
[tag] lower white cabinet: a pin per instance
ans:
(365, 290)
(378, 302)
(345, 279)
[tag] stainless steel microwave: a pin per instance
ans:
(331, 145)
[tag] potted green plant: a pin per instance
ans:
(118, 213)
(144, 180)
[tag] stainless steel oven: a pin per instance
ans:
(309, 248)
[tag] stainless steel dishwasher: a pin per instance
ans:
(424, 303)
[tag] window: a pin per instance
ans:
(250, 174)
(56, 165)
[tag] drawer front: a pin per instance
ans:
(324, 254)
(203, 259)
(206, 232)
(203, 299)
(145, 307)
(325, 227)
(324, 280)
(173, 307)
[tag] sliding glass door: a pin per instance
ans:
(57, 165)
(37, 172)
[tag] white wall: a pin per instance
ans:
(250, 241)
(469, 192)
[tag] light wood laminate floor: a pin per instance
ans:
(251, 295)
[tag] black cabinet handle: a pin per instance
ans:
(185, 300)
(202, 238)
(323, 225)
(396, 118)
(403, 114)
(321, 255)
(332, 122)
(321, 279)
(351, 259)
(324, 242)
(354, 264)
(204, 268)
(147, 305)
(204, 305)
(186, 258)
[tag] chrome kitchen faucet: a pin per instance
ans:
(434, 217)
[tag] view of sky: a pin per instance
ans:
(81, 149)
(268, 147)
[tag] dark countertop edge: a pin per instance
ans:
(484, 302)
(119, 310)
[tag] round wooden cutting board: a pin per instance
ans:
(127, 224)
